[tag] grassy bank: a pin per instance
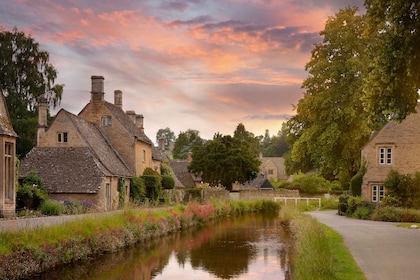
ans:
(319, 252)
(30, 252)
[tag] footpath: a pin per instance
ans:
(382, 250)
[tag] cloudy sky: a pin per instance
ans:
(201, 64)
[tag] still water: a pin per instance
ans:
(250, 247)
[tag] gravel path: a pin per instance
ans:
(382, 250)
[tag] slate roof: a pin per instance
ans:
(257, 183)
(76, 169)
(158, 154)
(131, 127)
(5, 123)
(180, 168)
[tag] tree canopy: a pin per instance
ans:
(393, 80)
(331, 124)
(224, 161)
(26, 75)
(185, 143)
(168, 134)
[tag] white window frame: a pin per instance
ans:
(378, 193)
(144, 155)
(385, 155)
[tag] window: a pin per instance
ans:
(106, 120)
(385, 155)
(270, 172)
(62, 137)
(8, 171)
(144, 155)
(378, 193)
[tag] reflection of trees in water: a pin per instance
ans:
(224, 248)
(234, 245)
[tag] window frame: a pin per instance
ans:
(377, 192)
(62, 137)
(385, 155)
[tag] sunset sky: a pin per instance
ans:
(201, 64)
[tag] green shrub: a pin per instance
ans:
(150, 171)
(137, 189)
(391, 201)
(168, 182)
(52, 208)
(357, 180)
(311, 184)
(363, 213)
(153, 186)
(405, 188)
(30, 197)
(395, 214)
(34, 180)
(165, 169)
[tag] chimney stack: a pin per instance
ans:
(42, 117)
(161, 143)
(97, 93)
(139, 122)
(118, 98)
(131, 115)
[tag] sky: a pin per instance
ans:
(206, 65)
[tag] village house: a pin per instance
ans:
(86, 157)
(124, 129)
(395, 147)
(8, 164)
(75, 160)
(273, 168)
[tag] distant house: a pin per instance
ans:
(395, 147)
(75, 160)
(8, 164)
(124, 130)
(273, 168)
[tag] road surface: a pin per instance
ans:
(382, 250)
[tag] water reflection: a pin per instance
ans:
(251, 247)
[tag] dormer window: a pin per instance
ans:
(62, 137)
(106, 121)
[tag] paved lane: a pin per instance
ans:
(382, 250)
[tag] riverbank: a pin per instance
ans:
(30, 252)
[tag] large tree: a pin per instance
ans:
(185, 143)
(331, 124)
(391, 87)
(26, 75)
(168, 134)
(224, 161)
(242, 134)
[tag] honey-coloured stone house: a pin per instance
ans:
(8, 163)
(395, 147)
(84, 156)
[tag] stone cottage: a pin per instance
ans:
(75, 160)
(395, 147)
(124, 129)
(273, 168)
(8, 164)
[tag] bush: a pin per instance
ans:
(311, 184)
(153, 186)
(137, 189)
(357, 180)
(363, 213)
(168, 182)
(30, 197)
(34, 180)
(395, 214)
(165, 169)
(52, 208)
(150, 171)
(404, 187)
